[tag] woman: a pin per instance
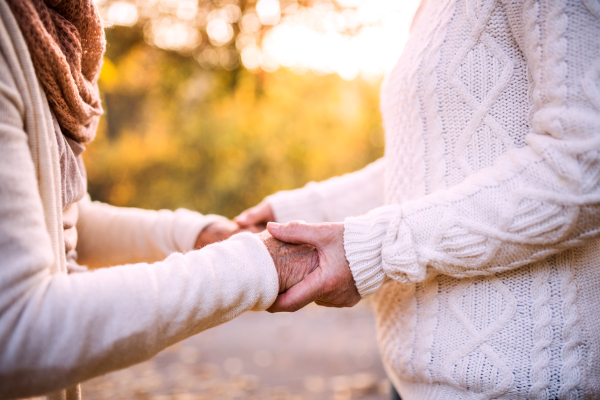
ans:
(59, 324)
(482, 250)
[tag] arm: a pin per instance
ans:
(111, 235)
(58, 329)
(534, 202)
(334, 199)
(327, 201)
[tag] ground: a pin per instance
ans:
(315, 354)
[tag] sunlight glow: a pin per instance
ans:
(219, 31)
(251, 57)
(350, 38)
(250, 23)
(122, 13)
(172, 34)
(187, 9)
(268, 11)
(315, 38)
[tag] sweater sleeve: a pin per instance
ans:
(534, 201)
(111, 235)
(334, 199)
(58, 329)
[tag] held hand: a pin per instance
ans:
(293, 262)
(216, 232)
(331, 283)
(255, 219)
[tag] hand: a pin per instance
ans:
(215, 232)
(331, 283)
(293, 262)
(255, 219)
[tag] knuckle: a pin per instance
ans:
(294, 225)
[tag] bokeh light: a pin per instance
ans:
(219, 31)
(268, 11)
(172, 34)
(350, 38)
(122, 13)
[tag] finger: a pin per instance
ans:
(256, 228)
(249, 218)
(299, 295)
(255, 215)
(299, 233)
(246, 218)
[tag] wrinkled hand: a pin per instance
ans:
(293, 262)
(216, 232)
(255, 219)
(331, 283)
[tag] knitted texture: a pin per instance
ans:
(484, 258)
(66, 43)
(334, 199)
(503, 144)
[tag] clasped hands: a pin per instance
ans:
(309, 258)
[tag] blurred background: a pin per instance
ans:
(211, 106)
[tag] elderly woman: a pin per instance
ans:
(481, 234)
(59, 323)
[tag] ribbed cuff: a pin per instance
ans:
(188, 225)
(300, 204)
(363, 240)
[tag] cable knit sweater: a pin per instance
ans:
(57, 329)
(482, 240)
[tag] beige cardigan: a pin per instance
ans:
(58, 329)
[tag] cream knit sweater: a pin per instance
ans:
(482, 240)
(57, 329)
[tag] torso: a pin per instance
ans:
(453, 104)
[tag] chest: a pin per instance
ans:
(457, 98)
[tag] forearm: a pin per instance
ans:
(91, 323)
(533, 202)
(527, 207)
(334, 199)
(111, 235)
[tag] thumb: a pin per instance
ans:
(296, 232)
(299, 295)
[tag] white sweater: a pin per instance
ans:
(57, 329)
(482, 242)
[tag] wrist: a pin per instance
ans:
(216, 231)
(363, 243)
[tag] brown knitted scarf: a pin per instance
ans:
(66, 43)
